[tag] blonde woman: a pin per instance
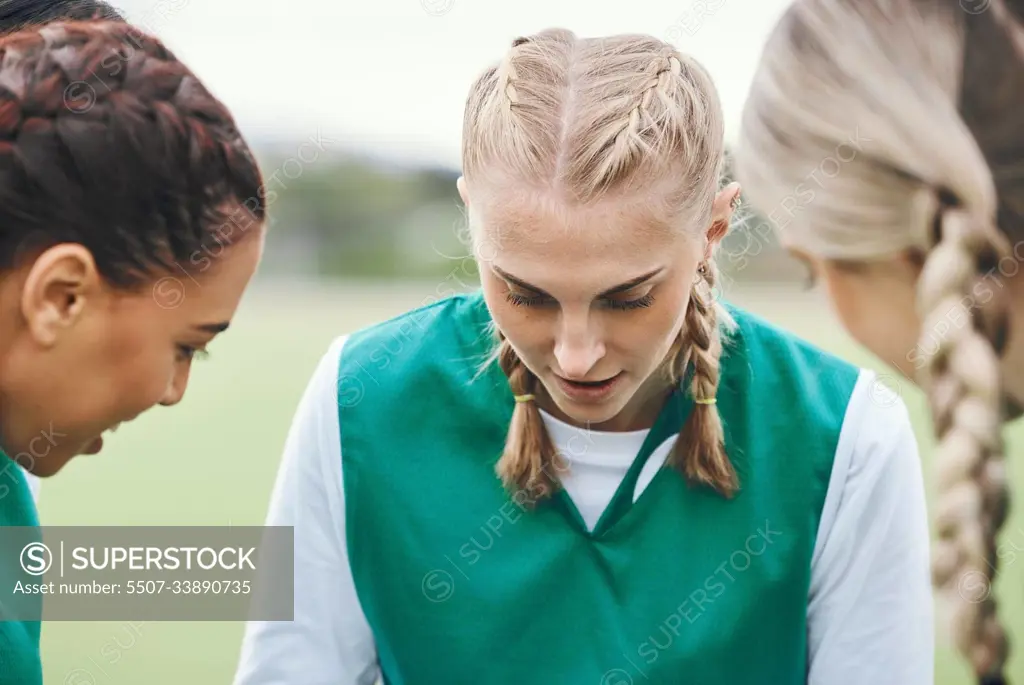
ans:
(915, 231)
(589, 472)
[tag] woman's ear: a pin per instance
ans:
(56, 289)
(726, 201)
(463, 193)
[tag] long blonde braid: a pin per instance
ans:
(964, 389)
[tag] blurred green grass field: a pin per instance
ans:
(212, 459)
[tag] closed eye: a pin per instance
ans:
(611, 303)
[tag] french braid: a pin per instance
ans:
(640, 131)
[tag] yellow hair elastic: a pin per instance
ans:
(523, 398)
(711, 400)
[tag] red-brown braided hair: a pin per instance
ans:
(108, 140)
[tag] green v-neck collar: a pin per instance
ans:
(669, 422)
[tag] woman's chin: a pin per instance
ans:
(583, 415)
(54, 461)
(93, 446)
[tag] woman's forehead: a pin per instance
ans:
(582, 256)
(542, 226)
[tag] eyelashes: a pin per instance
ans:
(188, 353)
(618, 305)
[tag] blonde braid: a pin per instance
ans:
(963, 381)
(699, 453)
(530, 460)
(507, 75)
(630, 143)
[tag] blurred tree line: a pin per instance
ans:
(342, 215)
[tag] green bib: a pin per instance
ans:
(463, 585)
(20, 660)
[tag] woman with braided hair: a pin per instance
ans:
(591, 471)
(131, 221)
(18, 14)
(917, 234)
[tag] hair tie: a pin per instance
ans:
(710, 400)
(524, 398)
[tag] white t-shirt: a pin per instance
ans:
(870, 615)
(33, 485)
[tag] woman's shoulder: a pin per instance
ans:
(447, 338)
(452, 316)
(769, 365)
(756, 339)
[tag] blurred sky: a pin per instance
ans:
(391, 76)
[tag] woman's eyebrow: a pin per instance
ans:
(631, 283)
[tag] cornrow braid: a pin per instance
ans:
(107, 140)
(507, 74)
(699, 452)
(517, 95)
(965, 393)
(631, 143)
